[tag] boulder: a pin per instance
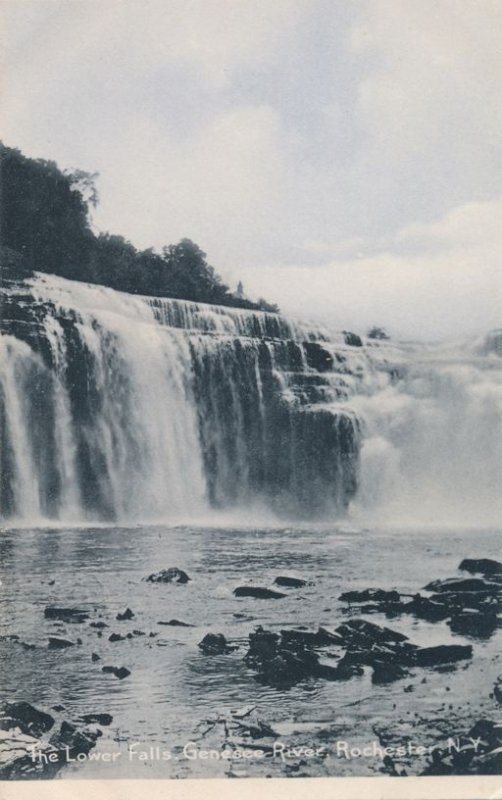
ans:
(319, 638)
(463, 585)
(119, 672)
(116, 637)
(289, 657)
(126, 615)
(430, 609)
(441, 654)
(278, 663)
(258, 592)
(359, 631)
(385, 672)
(473, 622)
(26, 717)
(76, 740)
(171, 575)
(71, 615)
(371, 595)
(342, 671)
(59, 644)
(294, 583)
(24, 727)
(215, 644)
(484, 566)
(99, 719)
(176, 623)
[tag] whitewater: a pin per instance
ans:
(130, 409)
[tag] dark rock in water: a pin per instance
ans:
(427, 608)
(66, 614)
(58, 708)
(294, 583)
(139, 633)
(325, 637)
(319, 638)
(176, 623)
(383, 672)
(352, 339)
(497, 691)
(59, 644)
(128, 614)
(299, 638)
(99, 625)
(343, 671)
(473, 622)
(287, 659)
(119, 672)
(95, 657)
(371, 595)
(485, 566)
(116, 637)
(171, 575)
(215, 644)
(26, 728)
(463, 585)
(262, 645)
(370, 654)
(359, 631)
(26, 717)
(442, 654)
(259, 592)
(455, 602)
(99, 719)
(479, 753)
(77, 741)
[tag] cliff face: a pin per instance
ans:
(118, 407)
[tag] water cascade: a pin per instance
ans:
(121, 408)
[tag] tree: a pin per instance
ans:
(189, 274)
(43, 216)
(45, 226)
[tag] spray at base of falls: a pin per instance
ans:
(122, 408)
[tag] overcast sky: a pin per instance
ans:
(342, 157)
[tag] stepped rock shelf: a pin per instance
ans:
(119, 407)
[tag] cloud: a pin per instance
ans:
(455, 290)
(342, 158)
(430, 103)
(216, 186)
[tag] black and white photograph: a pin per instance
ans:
(251, 398)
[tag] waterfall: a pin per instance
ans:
(432, 444)
(122, 408)
(116, 407)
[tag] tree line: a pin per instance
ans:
(45, 226)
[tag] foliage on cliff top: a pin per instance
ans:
(44, 226)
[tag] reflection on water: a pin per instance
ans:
(172, 686)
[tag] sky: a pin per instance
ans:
(341, 157)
